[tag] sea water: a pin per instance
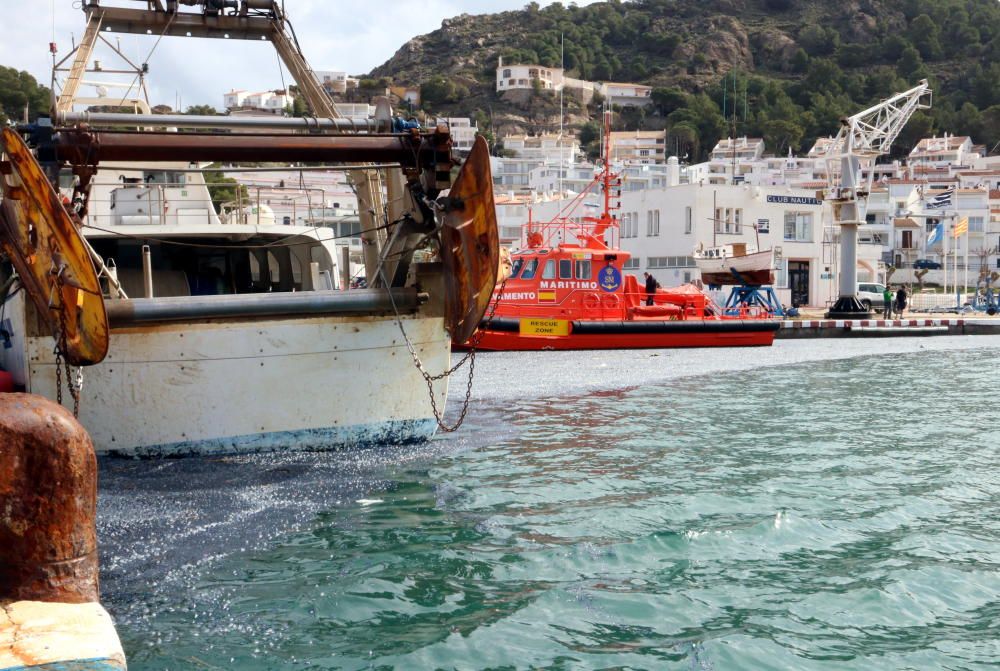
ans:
(816, 505)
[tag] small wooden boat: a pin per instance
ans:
(736, 263)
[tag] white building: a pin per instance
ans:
(626, 95)
(575, 178)
(513, 77)
(234, 98)
(950, 150)
(272, 102)
(335, 81)
(645, 147)
(463, 131)
(531, 152)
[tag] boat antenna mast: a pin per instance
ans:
(861, 139)
(539, 234)
(609, 181)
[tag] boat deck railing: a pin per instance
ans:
(159, 203)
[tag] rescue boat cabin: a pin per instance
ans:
(587, 281)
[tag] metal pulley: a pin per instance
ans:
(50, 256)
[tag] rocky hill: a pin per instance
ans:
(796, 65)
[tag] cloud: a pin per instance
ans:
(334, 36)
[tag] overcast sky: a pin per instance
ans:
(334, 34)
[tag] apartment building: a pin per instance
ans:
(645, 147)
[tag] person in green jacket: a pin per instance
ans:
(887, 303)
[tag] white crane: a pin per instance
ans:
(861, 139)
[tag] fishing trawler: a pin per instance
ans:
(567, 290)
(177, 332)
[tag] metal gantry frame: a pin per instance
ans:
(861, 139)
(262, 20)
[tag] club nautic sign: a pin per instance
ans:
(794, 200)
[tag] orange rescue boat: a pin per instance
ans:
(575, 295)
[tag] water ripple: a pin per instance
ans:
(834, 514)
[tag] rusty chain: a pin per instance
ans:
(59, 351)
(469, 357)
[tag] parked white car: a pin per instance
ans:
(870, 295)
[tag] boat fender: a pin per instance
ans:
(612, 301)
(591, 301)
(6, 382)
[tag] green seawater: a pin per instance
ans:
(828, 515)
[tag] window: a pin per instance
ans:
(630, 225)
(583, 270)
(549, 273)
(506, 73)
(781, 276)
(565, 269)
(653, 223)
(798, 226)
(907, 242)
(530, 269)
(632, 263)
(729, 220)
(687, 220)
(516, 267)
(976, 224)
(670, 262)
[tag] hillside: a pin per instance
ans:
(796, 65)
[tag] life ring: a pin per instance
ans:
(611, 301)
(591, 301)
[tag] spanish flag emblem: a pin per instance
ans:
(547, 296)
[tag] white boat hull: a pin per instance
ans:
(226, 386)
(756, 268)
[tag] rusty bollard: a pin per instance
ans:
(48, 485)
(48, 541)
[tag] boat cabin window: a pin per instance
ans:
(168, 177)
(530, 268)
(565, 269)
(550, 270)
(516, 266)
(215, 266)
(583, 270)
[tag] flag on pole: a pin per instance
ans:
(961, 227)
(936, 234)
(941, 200)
